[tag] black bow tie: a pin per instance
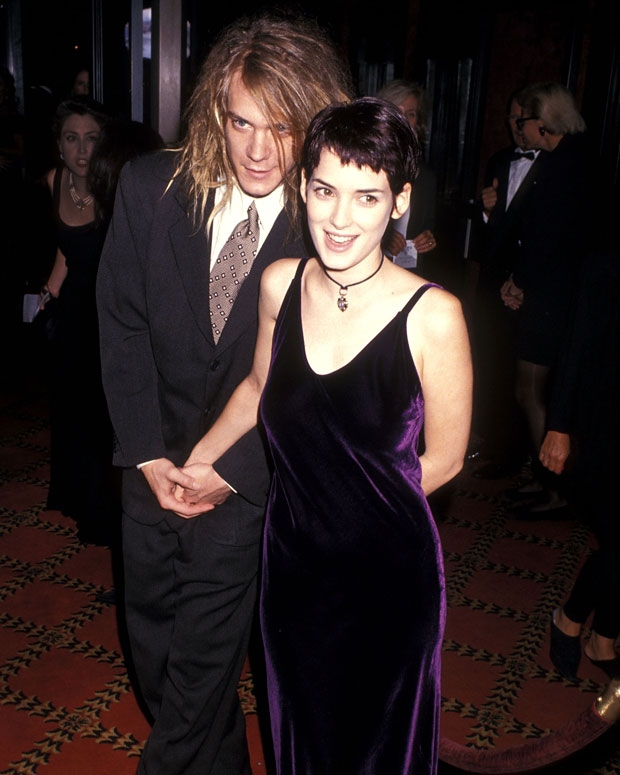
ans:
(523, 155)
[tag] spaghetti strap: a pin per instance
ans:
(417, 296)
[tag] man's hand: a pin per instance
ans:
(208, 487)
(512, 296)
(393, 241)
(489, 197)
(167, 481)
(554, 451)
(425, 241)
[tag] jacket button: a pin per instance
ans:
(214, 366)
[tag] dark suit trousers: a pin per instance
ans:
(190, 595)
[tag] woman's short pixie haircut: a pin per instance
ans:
(368, 132)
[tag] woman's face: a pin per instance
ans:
(77, 140)
(348, 211)
(409, 108)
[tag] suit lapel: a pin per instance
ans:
(191, 246)
(526, 185)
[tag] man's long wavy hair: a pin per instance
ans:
(290, 67)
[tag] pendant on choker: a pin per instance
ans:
(342, 301)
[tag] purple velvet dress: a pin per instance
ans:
(352, 599)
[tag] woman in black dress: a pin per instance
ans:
(81, 483)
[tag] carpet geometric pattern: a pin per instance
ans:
(504, 577)
(67, 706)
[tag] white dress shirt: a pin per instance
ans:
(517, 172)
(268, 208)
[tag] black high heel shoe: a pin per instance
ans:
(565, 650)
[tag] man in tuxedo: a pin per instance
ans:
(510, 177)
(553, 239)
(192, 231)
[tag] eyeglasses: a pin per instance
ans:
(521, 121)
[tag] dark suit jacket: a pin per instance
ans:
(166, 380)
(584, 396)
(551, 243)
(501, 234)
(423, 213)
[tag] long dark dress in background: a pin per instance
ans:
(352, 603)
(81, 474)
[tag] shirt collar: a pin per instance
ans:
(268, 208)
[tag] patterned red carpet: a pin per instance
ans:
(66, 702)
(505, 707)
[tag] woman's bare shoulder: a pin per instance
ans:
(275, 281)
(437, 312)
(406, 283)
(280, 273)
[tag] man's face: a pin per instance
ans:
(251, 145)
(515, 113)
(531, 138)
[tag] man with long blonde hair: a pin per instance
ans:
(177, 292)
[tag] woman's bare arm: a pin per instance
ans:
(442, 354)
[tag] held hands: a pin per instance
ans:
(170, 485)
(554, 451)
(511, 295)
(208, 490)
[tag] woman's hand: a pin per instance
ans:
(44, 296)
(57, 275)
(169, 485)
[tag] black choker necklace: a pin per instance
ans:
(343, 302)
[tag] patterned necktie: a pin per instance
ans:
(231, 268)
